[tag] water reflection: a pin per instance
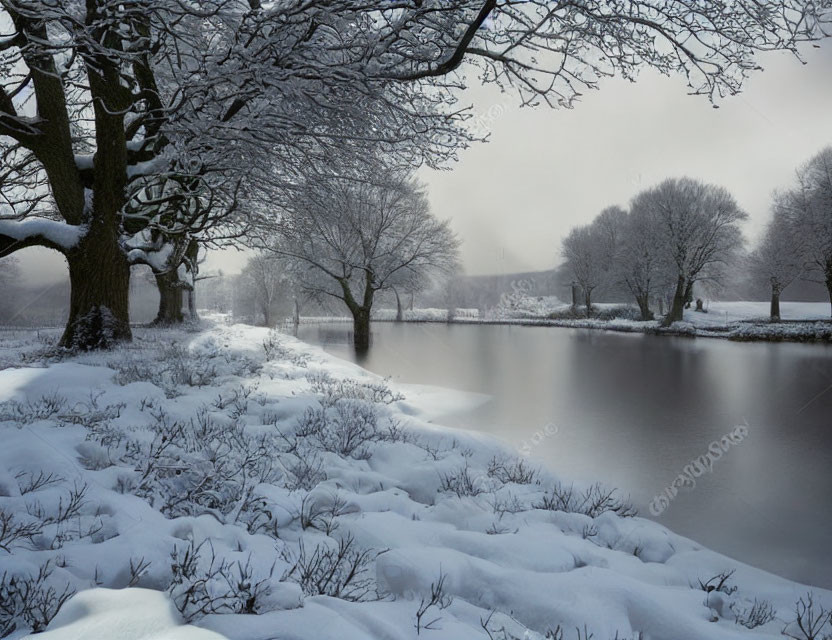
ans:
(633, 410)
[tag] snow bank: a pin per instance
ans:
(255, 487)
(129, 614)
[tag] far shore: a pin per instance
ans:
(737, 321)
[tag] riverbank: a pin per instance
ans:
(261, 488)
(737, 321)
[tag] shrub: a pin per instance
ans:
(338, 571)
(622, 312)
(333, 390)
(811, 622)
(719, 582)
(760, 613)
(203, 584)
(438, 599)
(462, 483)
(592, 502)
(28, 601)
(345, 428)
(515, 470)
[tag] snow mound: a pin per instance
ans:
(128, 614)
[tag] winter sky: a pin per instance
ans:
(544, 171)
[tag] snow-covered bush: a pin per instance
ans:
(336, 569)
(617, 312)
(275, 349)
(811, 622)
(517, 470)
(31, 411)
(463, 482)
(437, 599)
(332, 390)
(28, 600)
(204, 583)
(593, 501)
(204, 465)
(760, 613)
(346, 428)
(519, 304)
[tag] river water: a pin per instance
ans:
(632, 410)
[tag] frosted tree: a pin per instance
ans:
(811, 205)
(99, 98)
(268, 284)
(350, 237)
(639, 260)
(589, 252)
(698, 230)
(780, 257)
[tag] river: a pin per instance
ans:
(632, 410)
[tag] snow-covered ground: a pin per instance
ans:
(801, 321)
(256, 487)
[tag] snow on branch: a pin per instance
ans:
(18, 234)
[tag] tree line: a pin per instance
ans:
(146, 131)
(683, 233)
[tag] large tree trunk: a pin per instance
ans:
(588, 302)
(171, 295)
(774, 314)
(676, 313)
(361, 330)
(643, 301)
(99, 277)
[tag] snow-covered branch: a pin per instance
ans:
(16, 235)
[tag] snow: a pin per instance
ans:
(61, 234)
(724, 313)
(128, 614)
(419, 501)
(801, 321)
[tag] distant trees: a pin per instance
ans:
(348, 238)
(264, 277)
(676, 234)
(698, 231)
(590, 251)
(811, 205)
(797, 242)
(780, 257)
(101, 101)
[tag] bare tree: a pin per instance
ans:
(348, 238)
(698, 227)
(639, 259)
(590, 250)
(265, 277)
(99, 98)
(811, 206)
(780, 257)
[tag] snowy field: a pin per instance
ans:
(234, 483)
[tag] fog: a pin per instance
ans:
(543, 171)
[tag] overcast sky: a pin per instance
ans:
(513, 199)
